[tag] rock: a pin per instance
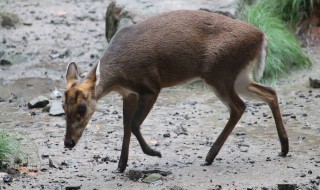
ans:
(7, 178)
(9, 20)
(46, 108)
(166, 135)
(135, 175)
(176, 188)
(180, 130)
(241, 133)
(243, 147)
(43, 156)
(54, 163)
(27, 23)
(73, 187)
(43, 169)
(5, 62)
(152, 178)
(56, 108)
(112, 20)
(123, 13)
(55, 94)
(287, 186)
(39, 102)
(2, 100)
(191, 102)
(13, 98)
(314, 83)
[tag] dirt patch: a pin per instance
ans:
(182, 125)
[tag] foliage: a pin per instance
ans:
(293, 11)
(11, 150)
(284, 51)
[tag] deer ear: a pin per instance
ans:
(72, 72)
(94, 74)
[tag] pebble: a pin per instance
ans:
(7, 178)
(151, 178)
(314, 83)
(56, 108)
(5, 62)
(39, 102)
(73, 187)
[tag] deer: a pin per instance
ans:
(170, 49)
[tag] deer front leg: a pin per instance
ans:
(129, 106)
(145, 104)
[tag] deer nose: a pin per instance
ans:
(69, 143)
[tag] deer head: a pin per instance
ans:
(79, 102)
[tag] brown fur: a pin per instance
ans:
(167, 50)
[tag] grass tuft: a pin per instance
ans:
(285, 52)
(11, 150)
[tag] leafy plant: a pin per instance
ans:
(11, 150)
(284, 51)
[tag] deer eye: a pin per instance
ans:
(82, 108)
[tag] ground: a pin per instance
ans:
(53, 33)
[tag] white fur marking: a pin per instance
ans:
(243, 80)
(261, 60)
(98, 74)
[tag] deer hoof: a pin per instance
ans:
(119, 170)
(282, 154)
(158, 154)
(206, 163)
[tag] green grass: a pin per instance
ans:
(285, 52)
(293, 11)
(11, 150)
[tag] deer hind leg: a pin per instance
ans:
(130, 103)
(145, 104)
(236, 107)
(269, 96)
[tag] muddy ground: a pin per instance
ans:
(53, 33)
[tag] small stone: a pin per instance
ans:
(73, 187)
(191, 102)
(43, 156)
(240, 133)
(7, 178)
(9, 20)
(152, 178)
(5, 62)
(43, 169)
(46, 108)
(56, 108)
(314, 83)
(303, 175)
(180, 130)
(27, 23)
(166, 135)
(176, 188)
(53, 163)
(56, 94)
(287, 186)
(135, 175)
(38, 102)
(243, 147)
